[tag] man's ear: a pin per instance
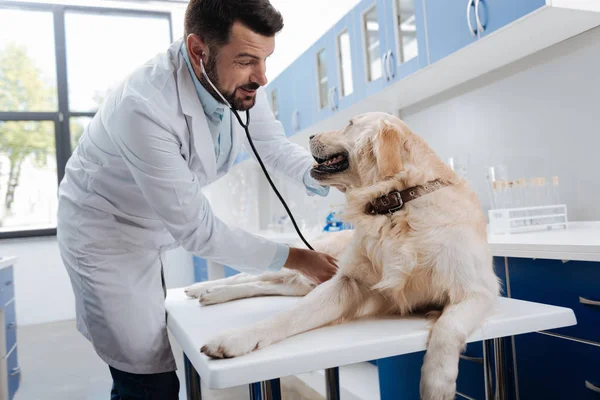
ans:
(387, 147)
(196, 48)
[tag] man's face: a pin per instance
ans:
(238, 68)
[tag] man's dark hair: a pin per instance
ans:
(212, 20)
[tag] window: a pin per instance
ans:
(322, 77)
(345, 62)
(373, 53)
(274, 103)
(41, 71)
(28, 178)
(407, 30)
(27, 66)
(131, 39)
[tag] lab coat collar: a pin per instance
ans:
(194, 114)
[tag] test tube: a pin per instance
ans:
(555, 196)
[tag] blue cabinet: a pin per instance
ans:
(494, 14)
(324, 61)
(8, 349)
(369, 18)
(574, 284)
(346, 87)
(451, 25)
(305, 93)
(405, 39)
(552, 368)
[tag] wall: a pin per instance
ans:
(42, 288)
(538, 116)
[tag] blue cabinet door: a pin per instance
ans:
(369, 21)
(494, 14)
(575, 285)
(346, 90)
(305, 92)
(406, 38)
(325, 64)
(286, 99)
(552, 368)
(448, 27)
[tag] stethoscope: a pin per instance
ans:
(245, 126)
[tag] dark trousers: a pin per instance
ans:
(127, 386)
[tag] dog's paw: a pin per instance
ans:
(235, 344)
(195, 290)
(215, 295)
(438, 383)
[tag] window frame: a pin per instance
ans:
(62, 116)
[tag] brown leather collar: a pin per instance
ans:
(394, 201)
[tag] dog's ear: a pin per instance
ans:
(387, 147)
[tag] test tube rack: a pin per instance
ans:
(527, 219)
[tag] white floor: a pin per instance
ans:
(57, 363)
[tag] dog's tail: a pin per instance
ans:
(446, 341)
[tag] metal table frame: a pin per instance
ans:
(493, 364)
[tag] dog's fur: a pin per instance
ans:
(433, 253)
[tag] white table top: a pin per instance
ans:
(580, 241)
(357, 341)
(7, 261)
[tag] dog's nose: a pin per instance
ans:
(312, 137)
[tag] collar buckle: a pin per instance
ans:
(400, 204)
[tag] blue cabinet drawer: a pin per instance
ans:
(562, 284)
(14, 373)
(7, 285)
(553, 368)
(10, 325)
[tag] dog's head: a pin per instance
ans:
(373, 147)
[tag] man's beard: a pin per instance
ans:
(236, 101)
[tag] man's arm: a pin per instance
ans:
(152, 154)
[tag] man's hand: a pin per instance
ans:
(316, 266)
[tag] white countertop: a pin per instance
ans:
(193, 325)
(579, 242)
(7, 261)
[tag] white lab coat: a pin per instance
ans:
(132, 189)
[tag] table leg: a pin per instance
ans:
(493, 364)
(332, 383)
(266, 390)
(192, 380)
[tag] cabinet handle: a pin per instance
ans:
(593, 388)
(295, 120)
(384, 66)
(335, 98)
(391, 61)
(329, 97)
(8, 283)
(583, 300)
(386, 71)
(474, 359)
(480, 26)
(469, 5)
(15, 371)
(12, 325)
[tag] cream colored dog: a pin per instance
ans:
(429, 252)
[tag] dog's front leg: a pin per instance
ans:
(339, 298)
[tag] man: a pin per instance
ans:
(132, 188)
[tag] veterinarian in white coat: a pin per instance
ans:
(132, 188)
